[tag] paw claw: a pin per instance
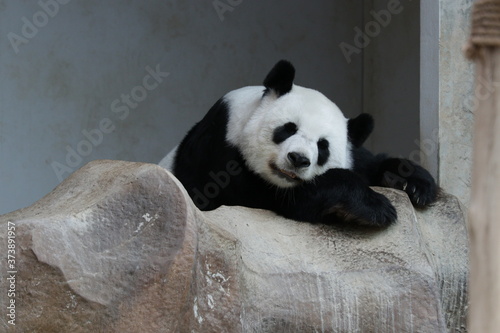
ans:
(423, 193)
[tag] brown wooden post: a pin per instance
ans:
(484, 212)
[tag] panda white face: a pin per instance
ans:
(288, 139)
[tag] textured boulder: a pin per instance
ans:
(119, 247)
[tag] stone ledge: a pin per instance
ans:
(119, 247)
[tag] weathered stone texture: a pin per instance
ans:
(457, 99)
(119, 247)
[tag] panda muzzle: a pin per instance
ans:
(289, 175)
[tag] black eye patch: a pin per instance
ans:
(323, 151)
(282, 133)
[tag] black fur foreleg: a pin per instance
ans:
(340, 195)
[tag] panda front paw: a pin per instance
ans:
(378, 211)
(421, 191)
(370, 209)
(411, 178)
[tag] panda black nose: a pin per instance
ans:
(299, 160)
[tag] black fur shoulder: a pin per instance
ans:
(213, 172)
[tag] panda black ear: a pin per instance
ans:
(280, 78)
(359, 129)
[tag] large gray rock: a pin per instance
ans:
(120, 247)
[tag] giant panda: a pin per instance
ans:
(289, 149)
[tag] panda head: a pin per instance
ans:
(294, 134)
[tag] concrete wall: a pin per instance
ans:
(457, 99)
(429, 84)
(448, 98)
(76, 83)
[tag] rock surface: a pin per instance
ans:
(119, 247)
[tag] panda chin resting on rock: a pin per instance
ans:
(290, 149)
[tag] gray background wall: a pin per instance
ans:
(391, 78)
(65, 77)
